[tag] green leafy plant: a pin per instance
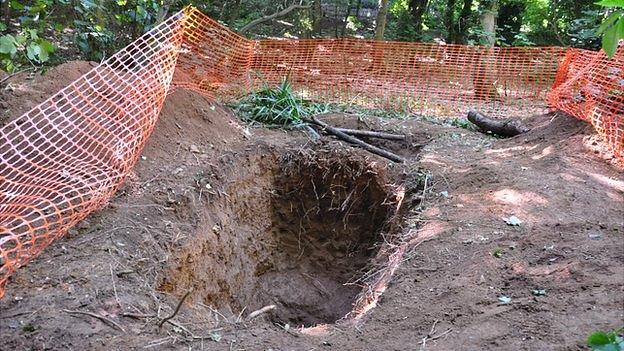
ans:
(612, 28)
(26, 47)
(277, 106)
(606, 341)
(93, 36)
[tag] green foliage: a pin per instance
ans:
(583, 30)
(606, 341)
(23, 48)
(463, 123)
(93, 37)
(23, 44)
(277, 106)
(612, 28)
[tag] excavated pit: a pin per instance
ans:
(292, 230)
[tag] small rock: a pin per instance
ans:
(177, 171)
(194, 149)
(72, 231)
(504, 299)
(513, 221)
(595, 236)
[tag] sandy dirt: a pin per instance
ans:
(243, 218)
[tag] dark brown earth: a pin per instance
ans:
(244, 218)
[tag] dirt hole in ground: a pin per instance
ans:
(292, 230)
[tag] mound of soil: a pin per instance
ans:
(237, 218)
(22, 92)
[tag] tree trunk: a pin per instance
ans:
(317, 16)
(484, 82)
(6, 11)
(346, 18)
(418, 9)
(488, 22)
(380, 23)
(461, 26)
(449, 20)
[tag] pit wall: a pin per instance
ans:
(67, 156)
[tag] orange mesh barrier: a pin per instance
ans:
(590, 86)
(66, 157)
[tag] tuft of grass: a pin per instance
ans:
(277, 106)
(498, 253)
(606, 341)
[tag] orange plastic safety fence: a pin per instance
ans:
(590, 86)
(66, 157)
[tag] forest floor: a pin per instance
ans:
(236, 218)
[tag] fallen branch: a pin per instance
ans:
(256, 313)
(507, 128)
(366, 146)
(281, 13)
(177, 309)
(372, 134)
(97, 316)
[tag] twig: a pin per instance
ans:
(138, 315)
(431, 336)
(177, 309)
(366, 146)
(14, 74)
(114, 286)
(102, 318)
(372, 134)
(256, 313)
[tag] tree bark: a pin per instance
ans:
(372, 134)
(506, 128)
(317, 16)
(488, 22)
(461, 26)
(366, 146)
(6, 11)
(483, 80)
(380, 23)
(449, 20)
(418, 9)
(346, 18)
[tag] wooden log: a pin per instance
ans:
(506, 128)
(366, 146)
(372, 134)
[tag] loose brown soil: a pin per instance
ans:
(244, 218)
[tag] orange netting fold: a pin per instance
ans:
(66, 157)
(590, 86)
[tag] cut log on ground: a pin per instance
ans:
(372, 134)
(507, 128)
(346, 137)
